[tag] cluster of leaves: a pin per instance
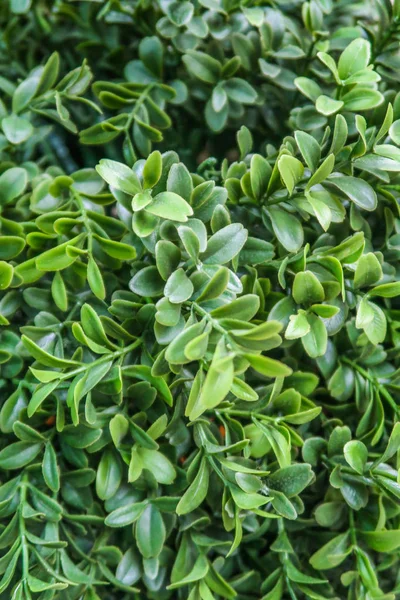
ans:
(192, 70)
(199, 364)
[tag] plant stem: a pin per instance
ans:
(352, 528)
(104, 358)
(380, 387)
(200, 311)
(22, 529)
(88, 227)
(138, 104)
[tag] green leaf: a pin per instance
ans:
(349, 250)
(16, 129)
(147, 282)
(309, 149)
(260, 173)
(224, 245)
(126, 515)
(381, 541)
(291, 171)
(243, 391)
(260, 332)
(152, 170)
(6, 275)
(168, 257)
(340, 133)
(109, 475)
(190, 241)
(150, 532)
(59, 292)
(394, 132)
(247, 501)
(49, 74)
(116, 249)
(19, 454)
(392, 446)
(85, 384)
(141, 200)
(217, 383)
(326, 311)
(291, 480)
(356, 455)
(196, 348)
(332, 554)
(354, 58)
(50, 469)
(199, 571)
(315, 341)
(26, 433)
(362, 98)
(119, 176)
(128, 571)
(202, 66)
(40, 395)
(386, 290)
(57, 258)
(95, 279)
(178, 288)
(245, 141)
(307, 289)
(118, 428)
(323, 171)
(216, 121)
(328, 106)
(298, 577)
(371, 318)
(216, 286)
(168, 314)
(81, 436)
(12, 184)
(283, 506)
(298, 326)
(287, 228)
(180, 13)
(20, 7)
(37, 585)
(158, 465)
(93, 326)
(9, 572)
(309, 87)
(240, 90)
(368, 271)
(180, 181)
(169, 205)
(243, 308)
(143, 373)
(141, 437)
(175, 352)
(44, 357)
(268, 367)
(196, 492)
(357, 190)
(11, 409)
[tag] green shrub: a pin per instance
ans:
(199, 305)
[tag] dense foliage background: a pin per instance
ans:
(199, 313)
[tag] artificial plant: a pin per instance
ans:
(199, 300)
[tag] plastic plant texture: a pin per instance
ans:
(199, 300)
